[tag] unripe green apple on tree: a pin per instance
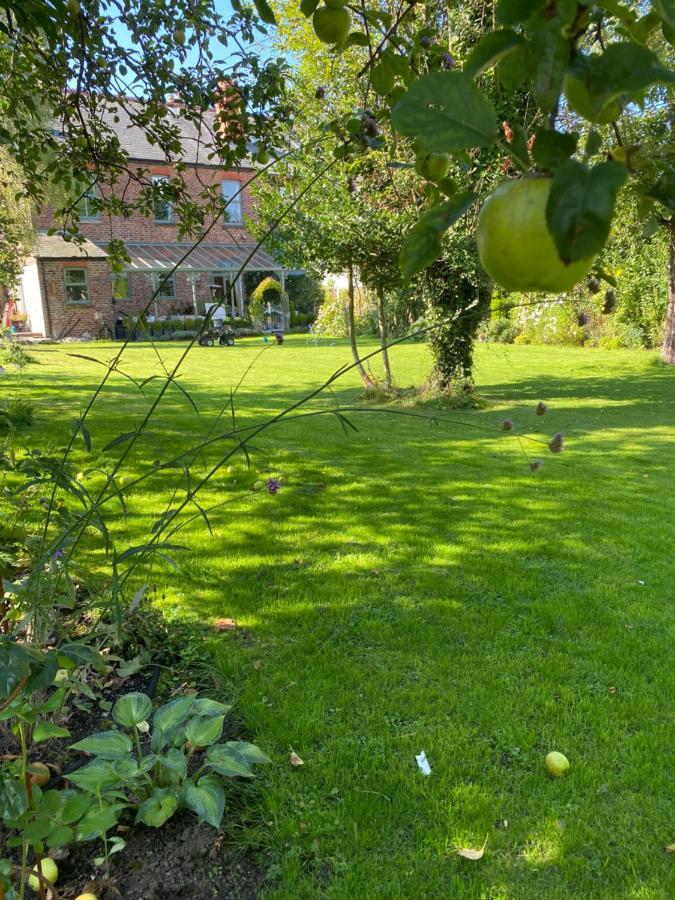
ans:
(331, 24)
(514, 244)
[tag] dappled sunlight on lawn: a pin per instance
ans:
(419, 588)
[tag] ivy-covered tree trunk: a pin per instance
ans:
(365, 377)
(669, 338)
(456, 301)
(382, 324)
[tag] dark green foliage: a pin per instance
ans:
(15, 414)
(12, 353)
(305, 294)
(450, 286)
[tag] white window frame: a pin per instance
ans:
(93, 192)
(117, 276)
(83, 283)
(157, 179)
(162, 281)
(234, 212)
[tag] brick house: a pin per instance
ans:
(68, 290)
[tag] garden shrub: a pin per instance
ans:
(500, 331)
(416, 331)
(553, 322)
(12, 353)
(299, 319)
(622, 336)
(15, 414)
(332, 317)
(305, 294)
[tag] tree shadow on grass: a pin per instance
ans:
(413, 588)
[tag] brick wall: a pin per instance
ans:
(139, 228)
(63, 319)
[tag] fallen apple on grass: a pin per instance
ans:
(39, 774)
(49, 871)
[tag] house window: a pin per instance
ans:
(233, 211)
(120, 286)
(163, 207)
(167, 287)
(77, 286)
(88, 205)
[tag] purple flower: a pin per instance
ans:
(59, 553)
(273, 485)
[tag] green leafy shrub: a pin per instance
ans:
(305, 294)
(500, 331)
(29, 700)
(15, 414)
(500, 305)
(332, 318)
(241, 322)
(555, 322)
(621, 336)
(301, 319)
(12, 353)
(160, 780)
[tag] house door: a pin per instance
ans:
(225, 291)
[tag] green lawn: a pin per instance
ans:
(418, 588)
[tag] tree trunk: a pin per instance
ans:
(382, 322)
(365, 377)
(669, 337)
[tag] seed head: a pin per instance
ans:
(320, 92)
(273, 485)
(556, 444)
(371, 127)
(507, 425)
(542, 408)
(425, 42)
(535, 465)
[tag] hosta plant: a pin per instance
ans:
(182, 767)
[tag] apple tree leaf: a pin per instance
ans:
(265, 12)
(514, 12)
(581, 205)
(552, 148)
(490, 49)
(446, 112)
(422, 244)
(664, 189)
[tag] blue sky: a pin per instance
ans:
(223, 7)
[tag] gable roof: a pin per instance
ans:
(197, 138)
(52, 246)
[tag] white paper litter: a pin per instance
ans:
(423, 763)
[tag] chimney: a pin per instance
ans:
(229, 108)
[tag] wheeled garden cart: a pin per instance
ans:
(222, 336)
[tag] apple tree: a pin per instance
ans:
(569, 73)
